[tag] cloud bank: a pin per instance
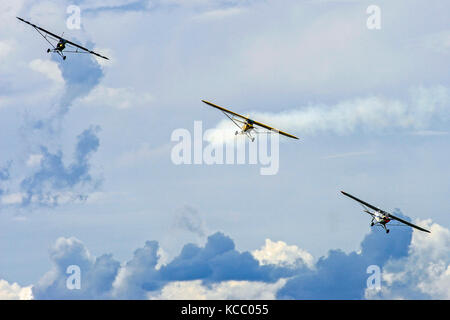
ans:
(414, 266)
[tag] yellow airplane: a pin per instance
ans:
(245, 124)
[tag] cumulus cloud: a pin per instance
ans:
(216, 262)
(14, 291)
(219, 261)
(96, 273)
(341, 275)
(48, 68)
(139, 275)
(280, 253)
(413, 264)
(424, 273)
(226, 290)
(208, 270)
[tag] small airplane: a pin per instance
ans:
(380, 217)
(245, 124)
(60, 43)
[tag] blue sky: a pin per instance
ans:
(86, 175)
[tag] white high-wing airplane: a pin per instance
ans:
(381, 217)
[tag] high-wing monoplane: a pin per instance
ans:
(59, 44)
(381, 217)
(247, 125)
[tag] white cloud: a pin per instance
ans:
(34, 160)
(106, 53)
(120, 98)
(433, 246)
(281, 254)
(425, 272)
(163, 258)
(12, 198)
(225, 290)
(48, 68)
(5, 49)
(14, 291)
(9, 10)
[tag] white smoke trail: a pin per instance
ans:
(420, 111)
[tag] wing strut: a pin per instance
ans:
(53, 46)
(232, 120)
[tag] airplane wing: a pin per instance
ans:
(56, 37)
(384, 212)
(273, 129)
(42, 29)
(225, 110)
(363, 202)
(250, 120)
(85, 49)
(407, 223)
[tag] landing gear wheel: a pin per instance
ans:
(64, 58)
(48, 50)
(387, 230)
(236, 133)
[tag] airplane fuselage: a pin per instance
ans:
(381, 218)
(247, 126)
(378, 218)
(61, 45)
